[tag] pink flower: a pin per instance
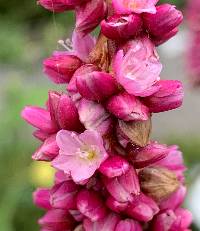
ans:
(127, 107)
(134, 6)
(82, 45)
(80, 155)
(138, 69)
(119, 27)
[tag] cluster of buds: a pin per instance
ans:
(193, 19)
(109, 175)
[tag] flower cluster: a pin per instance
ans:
(109, 175)
(193, 18)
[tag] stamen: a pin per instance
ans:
(65, 45)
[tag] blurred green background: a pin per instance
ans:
(28, 33)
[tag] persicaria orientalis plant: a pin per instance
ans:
(110, 175)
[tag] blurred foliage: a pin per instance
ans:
(26, 28)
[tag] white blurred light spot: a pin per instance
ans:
(193, 201)
(175, 46)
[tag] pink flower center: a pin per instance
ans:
(87, 153)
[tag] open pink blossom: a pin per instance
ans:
(79, 155)
(138, 69)
(135, 6)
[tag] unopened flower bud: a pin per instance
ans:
(108, 223)
(63, 111)
(166, 19)
(60, 68)
(57, 219)
(128, 225)
(48, 150)
(39, 118)
(41, 198)
(127, 107)
(63, 195)
(90, 204)
(94, 85)
(123, 188)
(148, 155)
(114, 166)
(94, 117)
(57, 6)
(142, 208)
(170, 96)
(89, 15)
(157, 182)
(119, 27)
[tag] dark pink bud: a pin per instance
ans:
(121, 26)
(60, 177)
(108, 223)
(116, 206)
(63, 111)
(94, 117)
(114, 166)
(39, 118)
(57, 219)
(61, 67)
(179, 219)
(89, 15)
(142, 208)
(148, 155)
(166, 19)
(59, 5)
(63, 195)
(95, 85)
(170, 96)
(41, 198)
(48, 150)
(123, 188)
(40, 135)
(160, 40)
(127, 107)
(175, 200)
(128, 225)
(90, 205)
(130, 181)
